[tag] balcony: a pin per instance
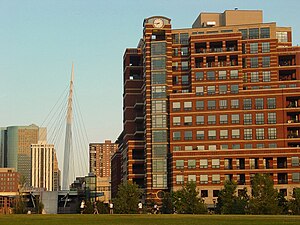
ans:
(287, 60)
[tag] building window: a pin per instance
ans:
(188, 121)
(244, 33)
(184, 38)
(253, 48)
(260, 135)
(215, 178)
(272, 133)
(187, 106)
(235, 133)
(223, 104)
(296, 177)
(215, 163)
(211, 90)
(188, 148)
(199, 75)
(254, 62)
(185, 79)
(248, 134)
(176, 106)
(224, 147)
(159, 136)
(199, 120)
(158, 48)
(175, 38)
(176, 135)
(159, 165)
(247, 119)
(184, 65)
(199, 105)
(254, 77)
(174, 66)
(203, 179)
(159, 106)
(188, 135)
(228, 164)
(236, 146)
(175, 51)
(234, 74)
(265, 32)
(259, 118)
(266, 76)
(211, 104)
(253, 163)
(223, 134)
(271, 103)
(158, 63)
(203, 163)
(295, 161)
(184, 51)
(212, 134)
(159, 92)
(259, 103)
(199, 90)
(266, 61)
(282, 36)
(179, 164)
(234, 103)
(191, 163)
(210, 75)
(234, 88)
(222, 89)
(253, 33)
(265, 47)
(223, 119)
(200, 134)
(260, 145)
(179, 179)
(176, 148)
(212, 147)
(176, 121)
(222, 75)
(191, 178)
(235, 118)
(158, 77)
(159, 121)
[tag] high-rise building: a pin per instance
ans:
(17, 147)
(215, 102)
(9, 180)
(3, 148)
(100, 165)
(44, 169)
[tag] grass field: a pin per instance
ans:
(147, 220)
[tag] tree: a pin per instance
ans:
(167, 203)
(294, 204)
(20, 204)
(229, 203)
(127, 198)
(264, 196)
(187, 200)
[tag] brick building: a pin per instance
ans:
(215, 102)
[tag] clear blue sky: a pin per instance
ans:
(39, 40)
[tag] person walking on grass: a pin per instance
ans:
(111, 208)
(140, 207)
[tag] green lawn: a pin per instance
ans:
(147, 220)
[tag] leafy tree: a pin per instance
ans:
(127, 198)
(264, 196)
(282, 203)
(187, 200)
(229, 203)
(294, 204)
(167, 203)
(20, 204)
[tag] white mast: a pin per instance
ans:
(68, 137)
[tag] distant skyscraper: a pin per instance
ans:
(100, 157)
(44, 172)
(17, 147)
(3, 148)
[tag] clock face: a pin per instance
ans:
(158, 23)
